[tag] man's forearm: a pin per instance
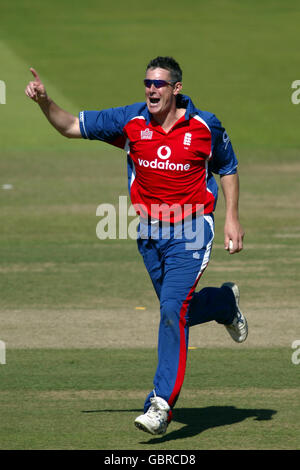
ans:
(233, 231)
(230, 187)
(62, 120)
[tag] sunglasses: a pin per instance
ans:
(157, 83)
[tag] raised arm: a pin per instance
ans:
(232, 229)
(65, 123)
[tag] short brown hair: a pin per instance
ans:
(167, 63)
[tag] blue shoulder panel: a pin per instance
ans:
(107, 125)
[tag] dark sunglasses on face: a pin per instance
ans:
(157, 83)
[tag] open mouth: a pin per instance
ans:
(154, 100)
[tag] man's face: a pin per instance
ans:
(160, 100)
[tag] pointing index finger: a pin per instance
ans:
(35, 74)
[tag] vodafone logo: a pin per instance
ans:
(164, 152)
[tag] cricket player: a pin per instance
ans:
(173, 149)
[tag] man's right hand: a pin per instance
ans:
(64, 122)
(35, 89)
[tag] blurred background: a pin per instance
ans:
(239, 60)
(78, 315)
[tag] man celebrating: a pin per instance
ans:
(173, 149)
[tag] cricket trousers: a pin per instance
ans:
(175, 265)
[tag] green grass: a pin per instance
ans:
(60, 285)
(234, 61)
(77, 399)
(50, 251)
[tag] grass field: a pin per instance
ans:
(78, 315)
(68, 400)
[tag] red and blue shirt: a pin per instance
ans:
(166, 169)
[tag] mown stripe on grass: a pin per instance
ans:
(116, 395)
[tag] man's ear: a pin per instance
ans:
(177, 88)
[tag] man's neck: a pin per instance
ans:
(168, 121)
